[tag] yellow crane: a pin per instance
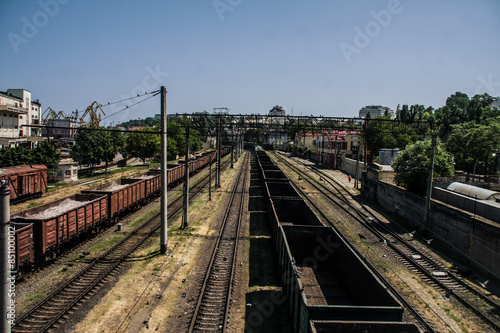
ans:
(94, 115)
(50, 114)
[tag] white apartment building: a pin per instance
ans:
(18, 109)
(375, 111)
(495, 103)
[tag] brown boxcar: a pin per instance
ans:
(25, 253)
(150, 183)
(58, 222)
(122, 194)
(175, 174)
(25, 180)
(155, 182)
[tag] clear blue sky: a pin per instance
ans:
(319, 57)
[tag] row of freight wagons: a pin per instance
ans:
(328, 286)
(44, 231)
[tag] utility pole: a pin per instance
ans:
(164, 178)
(429, 187)
(356, 172)
(217, 153)
(232, 148)
(185, 218)
(210, 179)
(335, 162)
(7, 315)
(219, 146)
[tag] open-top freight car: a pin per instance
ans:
(325, 280)
(25, 180)
(23, 244)
(121, 195)
(57, 224)
(152, 183)
(329, 326)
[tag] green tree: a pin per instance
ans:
(474, 146)
(93, 146)
(412, 165)
(176, 131)
(44, 153)
(142, 145)
(381, 132)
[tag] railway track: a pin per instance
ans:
(430, 270)
(212, 306)
(52, 309)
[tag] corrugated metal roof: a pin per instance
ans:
(21, 169)
(473, 191)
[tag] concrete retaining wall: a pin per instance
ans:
(476, 239)
(348, 165)
(485, 208)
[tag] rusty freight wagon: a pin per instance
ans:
(152, 183)
(323, 279)
(56, 224)
(122, 194)
(23, 238)
(25, 180)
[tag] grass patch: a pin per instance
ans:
(34, 204)
(106, 245)
(36, 297)
(145, 217)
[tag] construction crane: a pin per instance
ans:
(50, 114)
(93, 114)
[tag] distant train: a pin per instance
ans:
(25, 181)
(43, 232)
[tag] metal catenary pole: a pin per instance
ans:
(429, 187)
(185, 219)
(232, 148)
(217, 153)
(164, 177)
(219, 147)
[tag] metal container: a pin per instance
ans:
(274, 175)
(122, 194)
(361, 327)
(280, 189)
(324, 279)
(25, 252)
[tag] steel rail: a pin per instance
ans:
(215, 252)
